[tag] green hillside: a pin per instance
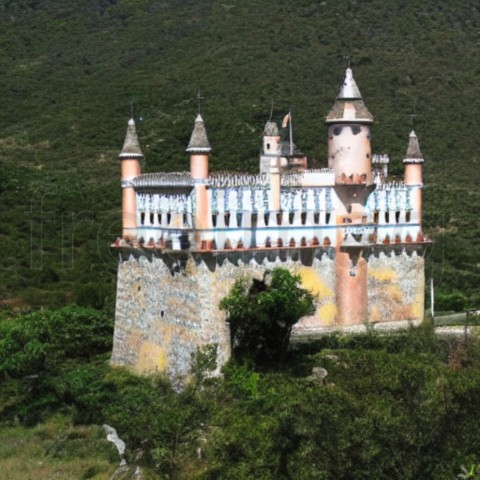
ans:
(70, 69)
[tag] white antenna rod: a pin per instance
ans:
(432, 299)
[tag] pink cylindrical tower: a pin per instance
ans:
(199, 149)
(349, 150)
(131, 157)
(350, 157)
(413, 163)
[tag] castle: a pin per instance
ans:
(354, 237)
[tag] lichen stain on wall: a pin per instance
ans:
(395, 293)
(383, 274)
(151, 358)
(312, 282)
(327, 314)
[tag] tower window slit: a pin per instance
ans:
(152, 218)
(142, 218)
(387, 217)
(214, 220)
(327, 218)
(227, 219)
(304, 218)
(291, 216)
(376, 216)
(266, 218)
(185, 219)
(254, 220)
(159, 218)
(408, 217)
(397, 217)
(316, 218)
(169, 218)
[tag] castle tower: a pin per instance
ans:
(349, 150)
(199, 149)
(270, 155)
(413, 162)
(349, 155)
(131, 157)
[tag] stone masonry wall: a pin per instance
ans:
(167, 305)
(396, 285)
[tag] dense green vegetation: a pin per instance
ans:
(261, 314)
(70, 69)
(400, 406)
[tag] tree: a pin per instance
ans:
(262, 313)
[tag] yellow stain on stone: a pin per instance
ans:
(151, 358)
(327, 313)
(383, 274)
(312, 282)
(375, 314)
(418, 307)
(395, 293)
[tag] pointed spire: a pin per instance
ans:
(199, 140)
(348, 89)
(131, 146)
(414, 155)
(349, 106)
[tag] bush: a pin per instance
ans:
(42, 340)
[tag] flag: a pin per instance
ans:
(286, 120)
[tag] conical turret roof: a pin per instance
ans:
(199, 140)
(348, 89)
(349, 106)
(271, 129)
(414, 155)
(131, 146)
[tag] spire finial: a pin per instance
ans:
(347, 59)
(412, 120)
(271, 110)
(413, 114)
(132, 109)
(200, 97)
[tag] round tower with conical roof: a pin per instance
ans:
(199, 149)
(413, 163)
(131, 157)
(349, 150)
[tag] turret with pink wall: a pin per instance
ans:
(131, 157)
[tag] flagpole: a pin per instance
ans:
(291, 133)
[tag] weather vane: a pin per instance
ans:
(412, 119)
(347, 58)
(413, 115)
(200, 97)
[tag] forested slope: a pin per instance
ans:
(70, 69)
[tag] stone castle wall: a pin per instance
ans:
(167, 304)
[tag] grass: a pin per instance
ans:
(56, 450)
